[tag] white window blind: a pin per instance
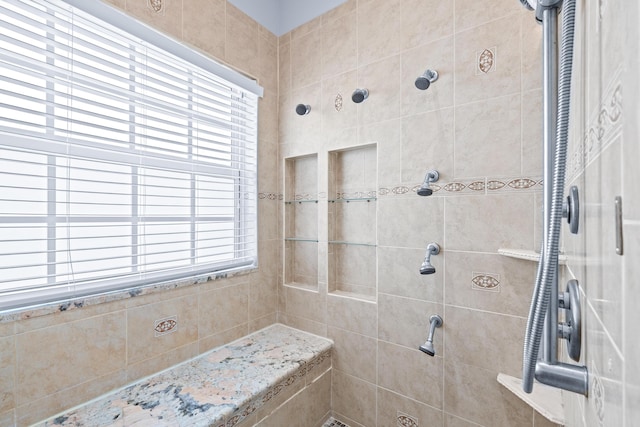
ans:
(120, 164)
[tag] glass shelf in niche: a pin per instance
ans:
(342, 242)
(299, 202)
(300, 239)
(356, 200)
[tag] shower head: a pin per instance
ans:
(431, 176)
(303, 109)
(424, 81)
(435, 321)
(359, 95)
(428, 348)
(427, 267)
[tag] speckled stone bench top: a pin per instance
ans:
(219, 388)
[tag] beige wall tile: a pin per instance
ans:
(353, 398)
(428, 143)
(489, 282)
(77, 352)
(307, 304)
(477, 338)
(284, 68)
(8, 418)
(490, 404)
(486, 133)
(339, 46)
(378, 30)
(268, 64)
(273, 406)
(405, 321)
(66, 316)
(223, 309)
(387, 137)
(307, 408)
(531, 51)
(410, 373)
(205, 25)
(392, 406)
(338, 111)
(540, 421)
(7, 373)
(353, 315)
(399, 274)
(33, 411)
(306, 28)
(268, 133)
(263, 322)
(306, 59)
(262, 298)
(241, 47)
(353, 269)
(216, 340)
(436, 55)
(318, 328)
(354, 354)
(485, 224)
(503, 78)
(424, 21)
(411, 222)
(349, 6)
(382, 78)
(167, 359)
(142, 342)
(451, 421)
(470, 14)
(532, 133)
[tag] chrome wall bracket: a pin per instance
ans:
(564, 375)
(571, 330)
(571, 209)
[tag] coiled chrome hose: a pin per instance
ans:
(548, 265)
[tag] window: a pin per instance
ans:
(122, 162)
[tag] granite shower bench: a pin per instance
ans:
(239, 384)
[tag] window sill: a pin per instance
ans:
(122, 294)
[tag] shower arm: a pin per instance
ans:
(544, 304)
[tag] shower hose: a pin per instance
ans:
(548, 265)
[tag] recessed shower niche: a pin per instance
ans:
(301, 222)
(352, 222)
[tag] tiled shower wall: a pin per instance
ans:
(479, 125)
(603, 163)
(56, 361)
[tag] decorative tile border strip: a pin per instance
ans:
(367, 194)
(473, 186)
(244, 411)
(604, 127)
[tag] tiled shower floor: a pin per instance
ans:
(331, 422)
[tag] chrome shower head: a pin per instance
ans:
(435, 321)
(424, 81)
(303, 109)
(359, 95)
(431, 176)
(428, 348)
(427, 267)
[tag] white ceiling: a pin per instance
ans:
(282, 16)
